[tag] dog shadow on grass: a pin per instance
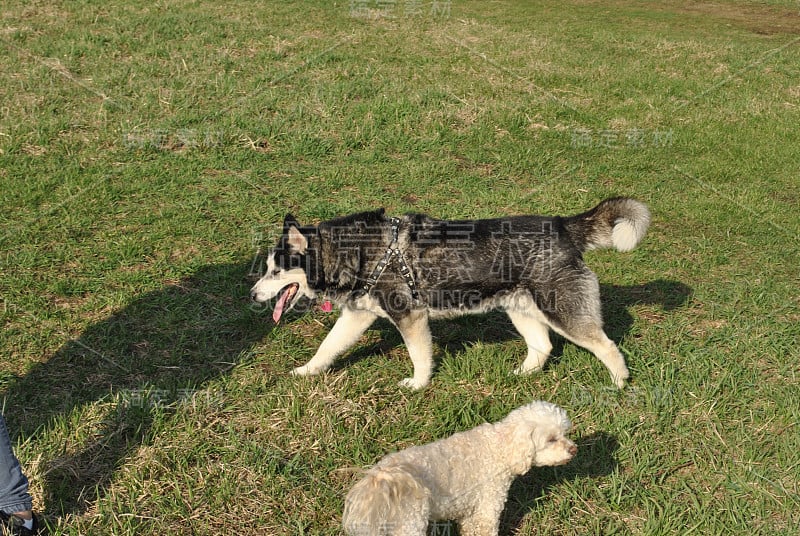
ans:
(663, 293)
(159, 350)
(615, 300)
(596, 458)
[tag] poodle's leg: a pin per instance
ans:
(485, 520)
(417, 335)
(537, 337)
(414, 524)
(344, 334)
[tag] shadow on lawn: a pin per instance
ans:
(168, 344)
(161, 348)
(617, 321)
(663, 293)
(595, 458)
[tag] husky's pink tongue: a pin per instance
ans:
(280, 305)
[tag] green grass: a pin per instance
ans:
(148, 151)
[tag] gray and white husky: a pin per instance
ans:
(414, 268)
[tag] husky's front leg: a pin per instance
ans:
(344, 334)
(417, 335)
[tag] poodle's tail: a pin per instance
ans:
(619, 223)
(387, 501)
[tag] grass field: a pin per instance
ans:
(148, 152)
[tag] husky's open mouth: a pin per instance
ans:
(285, 298)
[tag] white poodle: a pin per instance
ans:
(464, 477)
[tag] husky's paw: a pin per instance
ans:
(522, 370)
(621, 378)
(305, 370)
(411, 383)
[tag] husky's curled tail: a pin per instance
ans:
(619, 222)
(380, 503)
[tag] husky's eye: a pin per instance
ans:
(552, 439)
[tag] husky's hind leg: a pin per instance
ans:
(537, 337)
(417, 335)
(594, 339)
(344, 334)
(583, 325)
(575, 313)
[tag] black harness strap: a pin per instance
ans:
(393, 252)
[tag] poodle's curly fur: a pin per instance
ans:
(464, 477)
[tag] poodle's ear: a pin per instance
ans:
(523, 449)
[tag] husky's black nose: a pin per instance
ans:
(253, 296)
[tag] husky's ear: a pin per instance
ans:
(297, 241)
(289, 220)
